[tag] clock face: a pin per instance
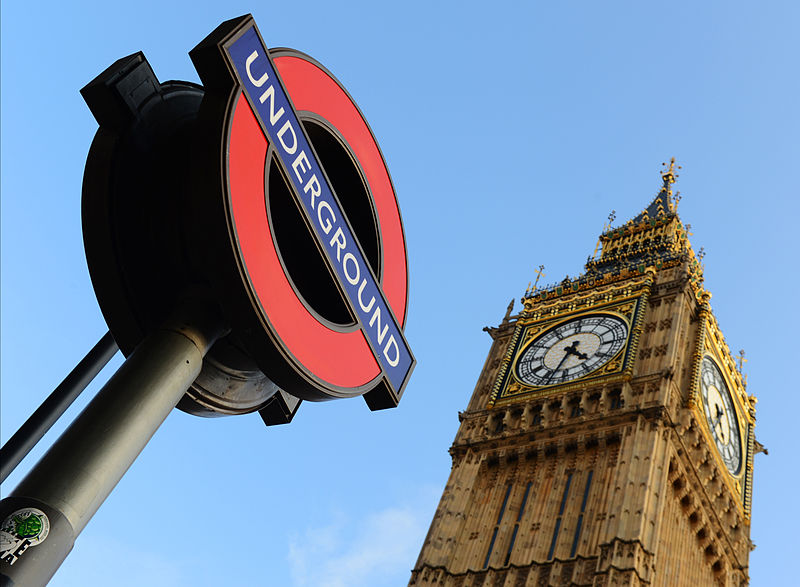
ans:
(721, 415)
(572, 349)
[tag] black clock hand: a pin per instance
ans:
(573, 350)
(558, 367)
(721, 432)
(717, 416)
(718, 420)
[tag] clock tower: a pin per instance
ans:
(609, 439)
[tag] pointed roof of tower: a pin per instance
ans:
(655, 238)
(652, 237)
(664, 203)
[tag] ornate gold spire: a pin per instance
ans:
(656, 238)
(669, 176)
(665, 203)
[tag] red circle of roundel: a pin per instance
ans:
(339, 359)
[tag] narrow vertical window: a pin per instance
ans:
(516, 524)
(616, 399)
(497, 526)
(580, 517)
(558, 520)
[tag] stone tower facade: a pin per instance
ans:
(609, 439)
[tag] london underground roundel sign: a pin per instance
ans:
(313, 270)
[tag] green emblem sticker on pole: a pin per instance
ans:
(20, 530)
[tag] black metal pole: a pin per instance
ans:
(46, 512)
(52, 408)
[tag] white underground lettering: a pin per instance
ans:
(313, 186)
(364, 308)
(338, 239)
(376, 317)
(298, 162)
(248, 64)
(269, 94)
(353, 263)
(389, 344)
(327, 223)
(287, 126)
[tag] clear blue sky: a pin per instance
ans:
(511, 130)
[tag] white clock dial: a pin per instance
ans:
(721, 415)
(572, 349)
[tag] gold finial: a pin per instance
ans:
(530, 290)
(701, 253)
(606, 227)
(538, 275)
(669, 176)
(741, 360)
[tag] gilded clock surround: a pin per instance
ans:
(714, 346)
(571, 350)
(721, 415)
(623, 303)
(612, 478)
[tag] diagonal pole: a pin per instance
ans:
(44, 514)
(31, 432)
